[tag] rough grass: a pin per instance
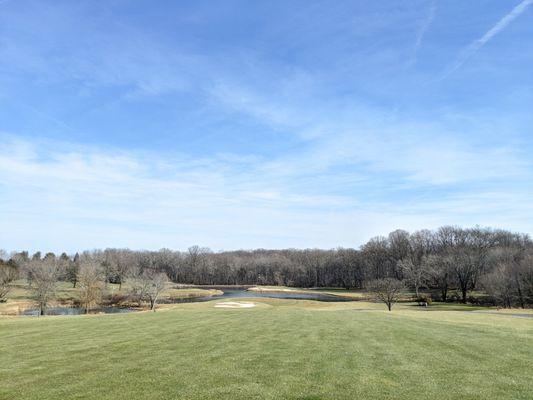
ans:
(281, 349)
(20, 296)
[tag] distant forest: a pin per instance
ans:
(478, 265)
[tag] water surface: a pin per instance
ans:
(228, 294)
(232, 294)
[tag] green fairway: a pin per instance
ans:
(280, 349)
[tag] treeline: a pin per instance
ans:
(449, 263)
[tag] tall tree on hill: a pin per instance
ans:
(399, 245)
(73, 268)
(20, 258)
(471, 256)
(378, 260)
(412, 265)
(49, 257)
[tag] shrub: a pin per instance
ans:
(424, 300)
(453, 298)
(436, 297)
(117, 299)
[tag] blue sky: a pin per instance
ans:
(274, 124)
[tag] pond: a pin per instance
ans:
(228, 294)
(232, 294)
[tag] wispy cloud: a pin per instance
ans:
(340, 191)
(143, 200)
(373, 141)
(286, 131)
(474, 47)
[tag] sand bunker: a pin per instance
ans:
(234, 304)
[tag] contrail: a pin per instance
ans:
(479, 43)
(420, 35)
(427, 22)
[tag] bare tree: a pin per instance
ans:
(148, 284)
(469, 249)
(525, 279)
(378, 260)
(119, 263)
(196, 262)
(509, 280)
(157, 282)
(499, 284)
(20, 259)
(387, 290)
(90, 280)
(440, 272)
(415, 274)
(350, 268)
(314, 261)
(466, 270)
(139, 286)
(399, 243)
(44, 282)
(8, 274)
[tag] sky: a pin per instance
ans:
(265, 124)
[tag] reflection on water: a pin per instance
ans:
(229, 294)
(76, 311)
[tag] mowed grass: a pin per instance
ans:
(281, 349)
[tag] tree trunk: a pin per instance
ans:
(389, 305)
(463, 292)
(520, 295)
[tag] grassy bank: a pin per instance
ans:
(21, 297)
(352, 294)
(281, 349)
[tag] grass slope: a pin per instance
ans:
(281, 349)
